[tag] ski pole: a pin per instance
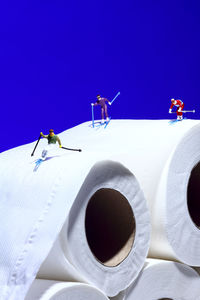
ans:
(36, 145)
(92, 116)
(71, 149)
(183, 111)
(115, 97)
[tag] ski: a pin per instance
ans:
(107, 122)
(176, 121)
(37, 164)
(99, 125)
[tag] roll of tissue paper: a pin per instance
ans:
(97, 203)
(55, 290)
(176, 210)
(106, 233)
(62, 193)
(165, 158)
(166, 161)
(165, 280)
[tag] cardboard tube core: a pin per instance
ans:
(110, 226)
(193, 192)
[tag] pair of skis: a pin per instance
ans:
(109, 118)
(176, 121)
(105, 124)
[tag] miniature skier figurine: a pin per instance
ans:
(52, 139)
(102, 102)
(179, 104)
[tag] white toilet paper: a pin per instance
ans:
(55, 290)
(102, 239)
(35, 205)
(165, 280)
(176, 211)
(163, 157)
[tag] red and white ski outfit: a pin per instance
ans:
(179, 104)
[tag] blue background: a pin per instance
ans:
(56, 56)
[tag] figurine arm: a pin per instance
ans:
(59, 141)
(106, 100)
(44, 136)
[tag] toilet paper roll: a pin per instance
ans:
(55, 290)
(107, 239)
(165, 280)
(165, 158)
(95, 199)
(176, 211)
(32, 202)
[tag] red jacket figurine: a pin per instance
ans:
(179, 104)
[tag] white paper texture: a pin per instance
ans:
(162, 279)
(158, 155)
(54, 290)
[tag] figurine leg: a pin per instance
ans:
(102, 115)
(44, 154)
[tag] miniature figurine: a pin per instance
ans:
(52, 139)
(179, 104)
(102, 102)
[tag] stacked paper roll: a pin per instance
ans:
(42, 202)
(55, 290)
(99, 237)
(83, 216)
(168, 199)
(162, 279)
(165, 160)
(177, 206)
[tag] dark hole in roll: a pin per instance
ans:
(193, 195)
(110, 226)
